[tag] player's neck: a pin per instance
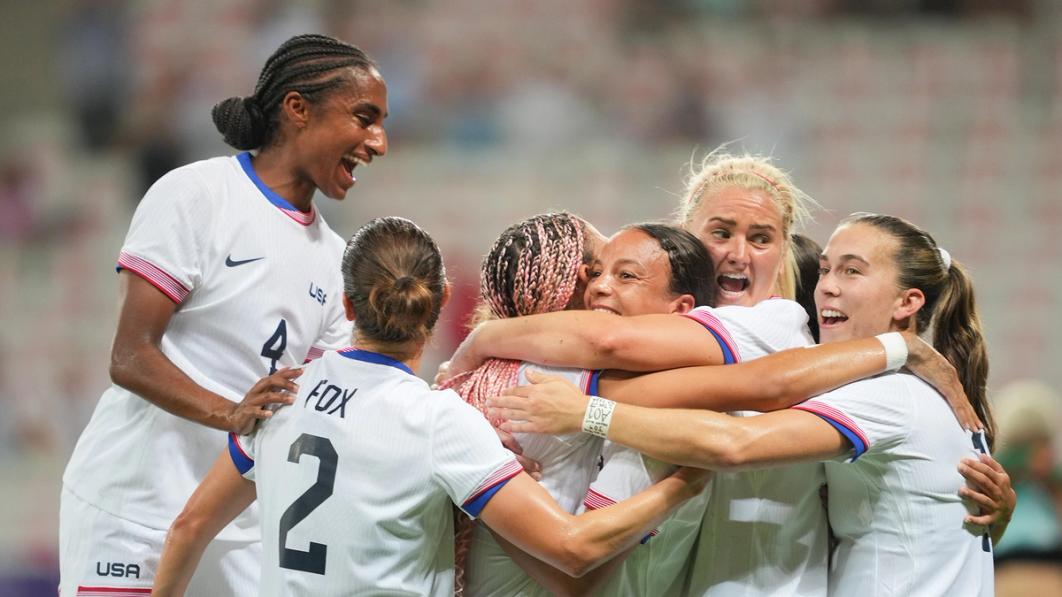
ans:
(405, 353)
(273, 167)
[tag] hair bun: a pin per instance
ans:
(241, 122)
(254, 111)
(404, 283)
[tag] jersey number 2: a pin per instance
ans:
(314, 559)
(273, 349)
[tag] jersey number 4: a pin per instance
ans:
(312, 560)
(273, 349)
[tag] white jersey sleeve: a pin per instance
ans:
(165, 241)
(337, 335)
(866, 417)
(468, 459)
(752, 332)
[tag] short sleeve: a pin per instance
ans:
(336, 336)
(706, 317)
(241, 450)
(165, 239)
(752, 332)
(625, 473)
(468, 459)
(872, 414)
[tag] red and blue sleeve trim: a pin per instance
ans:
(593, 383)
(240, 458)
(315, 353)
(719, 332)
(486, 490)
(83, 591)
(846, 426)
(595, 500)
(155, 276)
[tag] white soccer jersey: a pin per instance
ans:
(568, 462)
(763, 531)
(258, 287)
(355, 480)
(894, 504)
(661, 565)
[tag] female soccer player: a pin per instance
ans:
(356, 477)
(891, 451)
(743, 210)
(533, 268)
(228, 273)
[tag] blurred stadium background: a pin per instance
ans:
(947, 112)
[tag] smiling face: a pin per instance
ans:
(742, 230)
(858, 295)
(342, 131)
(632, 276)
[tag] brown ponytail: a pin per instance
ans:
(957, 335)
(394, 277)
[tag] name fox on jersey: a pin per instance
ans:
(117, 569)
(327, 395)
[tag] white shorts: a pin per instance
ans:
(101, 555)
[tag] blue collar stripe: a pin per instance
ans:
(248, 168)
(376, 358)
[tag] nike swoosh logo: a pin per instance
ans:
(231, 263)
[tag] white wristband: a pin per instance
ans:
(598, 416)
(895, 350)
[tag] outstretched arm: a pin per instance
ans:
(557, 582)
(221, 496)
(590, 340)
(785, 378)
(697, 438)
(524, 514)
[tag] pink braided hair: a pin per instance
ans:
(532, 268)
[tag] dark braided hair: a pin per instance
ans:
(302, 64)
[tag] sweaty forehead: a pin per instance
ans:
(636, 248)
(362, 86)
(743, 207)
(863, 241)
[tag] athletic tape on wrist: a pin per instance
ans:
(598, 416)
(895, 350)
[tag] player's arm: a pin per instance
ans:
(524, 514)
(783, 379)
(988, 486)
(557, 582)
(220, 497)
(698, 438)
(138, 364)
(590, 340)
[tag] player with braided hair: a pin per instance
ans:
(228, 272)
(533, 267)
